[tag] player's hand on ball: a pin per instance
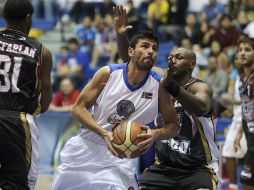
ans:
(147, 139)
(108, 140)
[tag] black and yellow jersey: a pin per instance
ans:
(195, 144)
(20, 67)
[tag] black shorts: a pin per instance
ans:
(18, 151)
(166, 178)
(247, 174)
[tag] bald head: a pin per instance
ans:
(188, 52)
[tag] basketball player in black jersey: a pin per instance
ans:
(25, 90)
(246, 90)
(190, 160)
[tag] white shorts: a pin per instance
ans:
(91, 166)
(228, 147)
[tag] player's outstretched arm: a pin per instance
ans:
(121, 27)
(87, 99)
(46, 92)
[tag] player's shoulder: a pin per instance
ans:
(199, 85)
(117, 67)
(157, 76)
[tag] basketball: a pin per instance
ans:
(125, 139)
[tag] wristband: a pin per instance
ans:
(172, 87)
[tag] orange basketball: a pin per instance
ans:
(125, 139)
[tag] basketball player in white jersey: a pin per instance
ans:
(129, 91)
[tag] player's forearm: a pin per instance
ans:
(123, 45)
(85, 118)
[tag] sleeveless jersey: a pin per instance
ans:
(194, 146)
(246, 90)
(120, 101)
(19, 72)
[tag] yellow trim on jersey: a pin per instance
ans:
(28, 146)
(214, 177)
(203, 139)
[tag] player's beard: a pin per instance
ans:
(145, 66)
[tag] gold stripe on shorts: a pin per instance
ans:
(28, 146)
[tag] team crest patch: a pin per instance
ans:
(124, 110)
(147, 95)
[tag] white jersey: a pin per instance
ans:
(86, 161)
(119, 101)
(228, 147)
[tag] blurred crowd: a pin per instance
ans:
(210, 27)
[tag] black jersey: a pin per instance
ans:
(246, 90)
(19, 72)
(194, 146)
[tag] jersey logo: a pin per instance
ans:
(180, 146)
(124, 110)
(147, 95)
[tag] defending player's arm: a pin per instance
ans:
(121, 27)
(46, 93)
(199, 100)
(87, 99)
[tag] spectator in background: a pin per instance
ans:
(104, 50)
(143, 9)
(216, 78)
(213, 10)
(173, 30)
(65, 98)
(81, 9)
(196, 6)
(226, 34)
(86, 33)
(158, 11)
(74, 65)
(177, 12)
(242, 21)
(61, 67)
(105, 8)
(134, 18)
(191, 29)
(205, 34)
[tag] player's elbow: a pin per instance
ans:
(202, 110)
(45, 101)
